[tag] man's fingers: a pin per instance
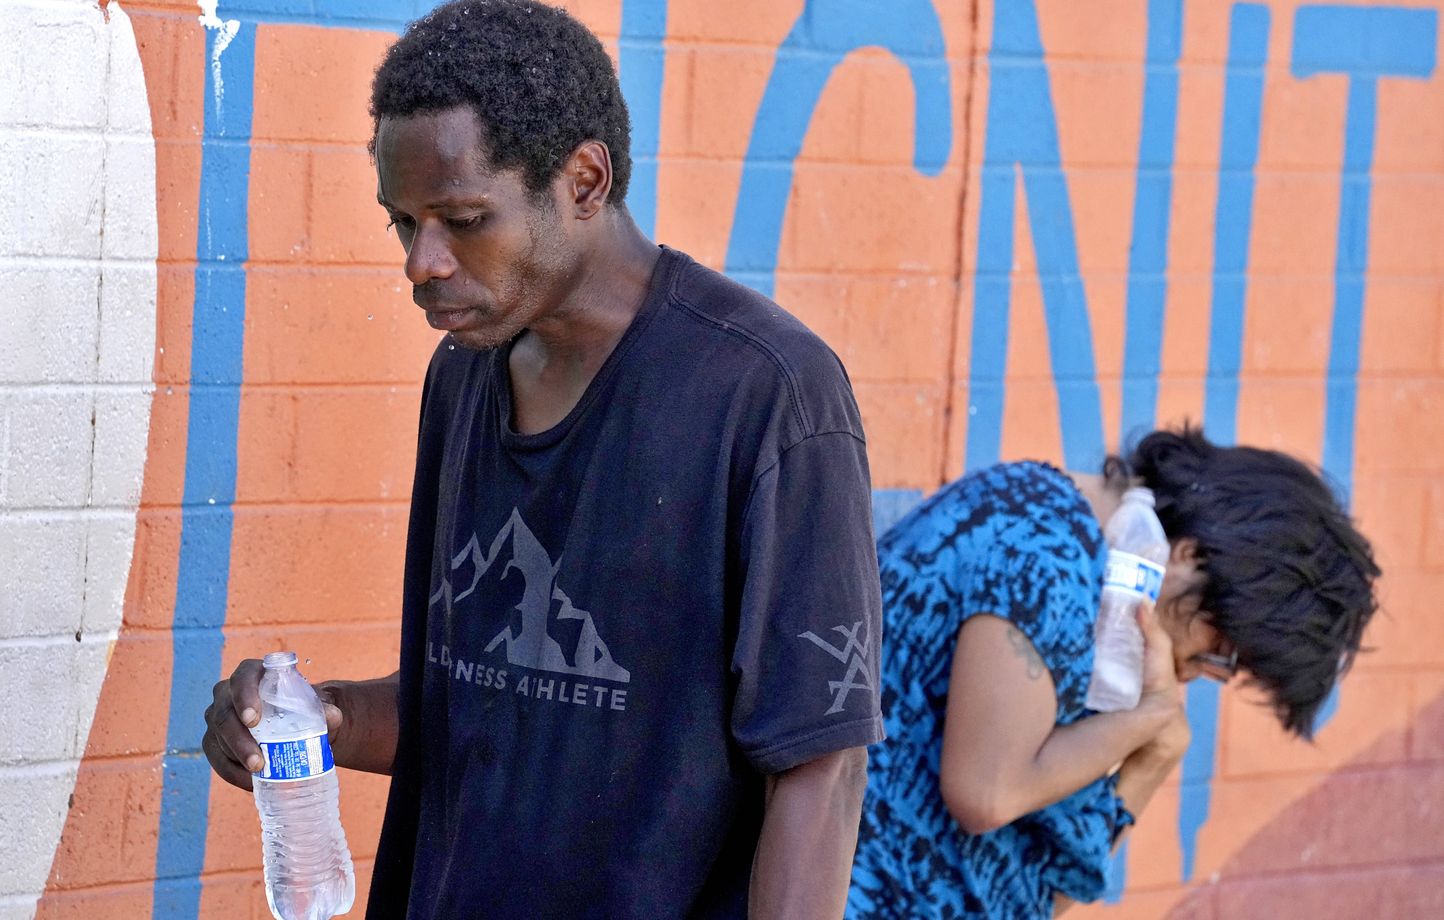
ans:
(333, 717)
(226, 767)
(232, 739)
(245, 689)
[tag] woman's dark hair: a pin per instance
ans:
(538, 80)
(1289, 580)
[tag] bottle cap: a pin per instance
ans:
(1140, 494)
(279, 660)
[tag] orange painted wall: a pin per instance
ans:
(880, 258)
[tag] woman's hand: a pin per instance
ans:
(1170, 744)
(1161, 692)
(1160, 677)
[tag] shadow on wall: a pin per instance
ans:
(1372, 831)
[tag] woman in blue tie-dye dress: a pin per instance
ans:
(997, 793)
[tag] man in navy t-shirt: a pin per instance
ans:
(640, 626)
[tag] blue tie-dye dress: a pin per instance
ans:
(1016, 540)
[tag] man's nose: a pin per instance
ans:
(429, 257)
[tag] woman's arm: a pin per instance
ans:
(1003, 757)
(1142, 773)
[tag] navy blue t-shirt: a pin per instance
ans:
(612, 630)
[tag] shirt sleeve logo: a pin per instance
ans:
(853, 654)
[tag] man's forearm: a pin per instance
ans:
(809, 837)
(366, 738)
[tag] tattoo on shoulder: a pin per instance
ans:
(1024, 650)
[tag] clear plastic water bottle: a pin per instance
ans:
(1137, 553)
(308, 865)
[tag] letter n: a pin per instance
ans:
(1022, 139)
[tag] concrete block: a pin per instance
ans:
(18, 907)
(56, 61)
(1400, 425)
(1374, 708)
(64, 572)
(1348, 819)
(92, 656)
(128, 901)
(904, 422)
(347, 226)
(275, 577)
(302, 446)
(48, 329)
(111, 830)
(53, 183)
(127, 110)
(109, 548)
(42, 573)
(132, 714)
(327, 87)
(127, 322)
(32, 813)
(55, 684)
(130, 228)
(122, 419)
(311, 325)
(47, 437)
(1377, 891)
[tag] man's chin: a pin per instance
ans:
(478, 339)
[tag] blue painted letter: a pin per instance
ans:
(1365, 44)
(825, 33)
(1022, 135)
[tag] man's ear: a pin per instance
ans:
(587, 179)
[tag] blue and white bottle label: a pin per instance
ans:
(299, 758)
(1134, 574)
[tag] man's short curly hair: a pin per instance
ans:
(539, 81)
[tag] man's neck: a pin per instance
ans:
(608, 291)
(554, 360)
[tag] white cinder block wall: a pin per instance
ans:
(77, 338)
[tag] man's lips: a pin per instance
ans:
(449, 320)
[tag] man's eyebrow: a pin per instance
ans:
(476, 201)
(470, 201)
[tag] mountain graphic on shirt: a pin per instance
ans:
(543, 603)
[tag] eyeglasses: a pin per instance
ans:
(1221, 668)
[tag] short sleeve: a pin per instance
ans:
(1047, 599)
(1081, 831)
(809, 632)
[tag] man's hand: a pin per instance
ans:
(809, 836)
(235, 708)
(361, 720)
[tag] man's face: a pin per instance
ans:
(485, 256)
